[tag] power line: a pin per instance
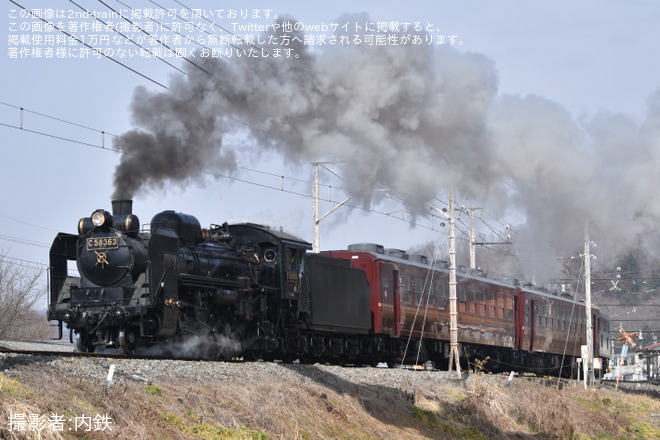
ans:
(23, 109)
(103, 132)
(24, 263)
(186, 21)
(103, 147)
(148, 34)
(129, 39)
(23, 241)
(26, 223)
(612, 278)
(88, 46)
(142, 30)
(214, 23)
(631, 320)
(628, 305)
(62, 138)
(234, 178)
(281, 189)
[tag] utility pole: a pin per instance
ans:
(453, 310)
(316, 245)
(473, 256)
(315, 201)
(589, 377)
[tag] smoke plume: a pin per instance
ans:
(412, 118)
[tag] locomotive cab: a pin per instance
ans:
(282, 257)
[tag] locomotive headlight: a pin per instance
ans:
(99, 218)
(69, 315)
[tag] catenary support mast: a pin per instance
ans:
(453, 311)
(589, 377)
(316, 245)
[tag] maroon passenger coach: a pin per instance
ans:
(515, 326)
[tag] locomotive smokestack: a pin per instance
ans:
(122, 207)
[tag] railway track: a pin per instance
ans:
(66, 350)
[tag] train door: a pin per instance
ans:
(532, 324)
(596, 331)
(397, 302)
(519, 321)
(387, 285)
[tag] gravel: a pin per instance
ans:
(201, 372)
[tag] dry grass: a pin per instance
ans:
(265, 408)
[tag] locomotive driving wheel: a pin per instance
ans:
(83, 342)
(128, 340)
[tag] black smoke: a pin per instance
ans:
(414, 119)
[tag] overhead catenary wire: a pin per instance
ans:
(464, 231)
(146, 33)
(428, 283)
(89, 47)
(187, 37)
(225, 176)
(402, 212)
(390, 214)
(281, 188)
(183, 19)
(54, 136)
(164, 26)
(129, 39)
(24, 263)
(23, 109)
(22, 127)
(570, 324)
(628, 305)
(18, 240)
(218, 175)
(103, 132)
(26, 223)
(226, 30)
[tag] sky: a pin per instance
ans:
(543, 114)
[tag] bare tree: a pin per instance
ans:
(431, 249)
(19, 294)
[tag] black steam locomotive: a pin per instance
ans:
(228, 290)
(250, 291)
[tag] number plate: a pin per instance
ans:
(291, 276)
(102, 243)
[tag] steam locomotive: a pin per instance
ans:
(245, 290)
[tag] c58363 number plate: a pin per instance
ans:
(102, 243)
